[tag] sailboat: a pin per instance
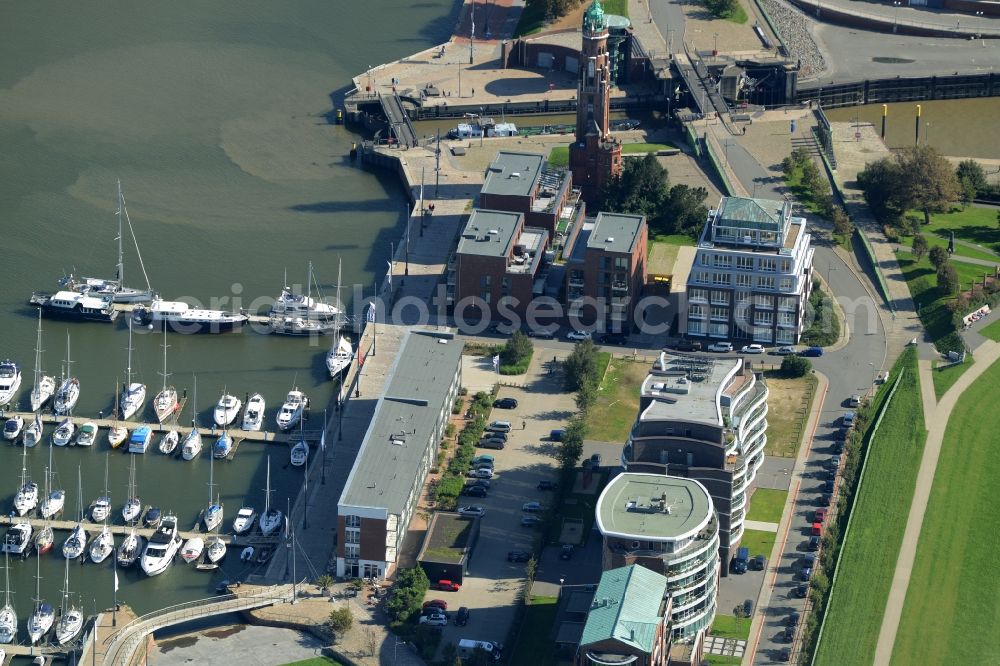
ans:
(341, 354)
(33, 433)
(117, 433)
(100, 508)
(10, 381)
(192, 549)
(270, 520)
(114, 289)
(223, 446)
(70, 622)
(76, 542)
(54, 500)
(133, 393)
(45, 385)
(133, 505)
(165, 403)
(26, 498)
(63, 434)
(213, 512)
(69, 386)
(169, 442)
(192, 442)
(43, 616)
(8, 616)
(45, 537)
(300, 452)
(131, 548)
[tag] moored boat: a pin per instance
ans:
(180, 317)
(45, 385)
(165, 404)
(41, 619)
(130, 549)
(26, 498)
(33, 432)
(270, 519)
(215, 550)
(139, 441)
(70, 622)
(253, 415)
(192, 549)
(244, 520)
(10, 381)
(87, 434)
(223, 446)
(161, 547)
(8, 616)
(299, 454)
(292, 410)
(63, 434)
(44, 539)
(17, 540)
(102, 546)
(227, 410)
(133, 393)
(12, 428)
(69, 386)
(74, 306)
(169, 441)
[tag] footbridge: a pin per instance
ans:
(398, 119)
(123, 647)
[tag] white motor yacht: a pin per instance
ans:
(298, 305)
(253, 416)
(227, 410)
(18, 538)
(100, 509)
(10, 381)
(161, 548)
(168, 443)
(12, 428)
(63, 434)
(192, 549)
(244, 520)
(180, 317)
(87, 434)
(292, 410)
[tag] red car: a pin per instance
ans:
(819, 516)
(447, 586)
(817, 529)
(436, 603)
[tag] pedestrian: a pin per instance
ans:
(473, 92)
(524, 425)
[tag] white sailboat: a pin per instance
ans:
(191, 446)
(45, 385)
(300, 452)
(169, 441)
(55, 499)
(8, 616)
(26, 498)
(41, 619)
(63, 434)
(10, 381)
(76, 542)
(33, 433)
(341, 354)
(117, 433)
(270, 520)
(253, 415)
(215, 549)
(130, 548)
(214, 511)
(192, 549)
(45, 537)
(114, 289)
(133, 505)
(165, 403)
(69, 386)
(133, 393)
(100, 508)
(70, 622)
(292, 410)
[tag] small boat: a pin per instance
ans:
(117, 434)
(74, 306)
(70, 622)
(26, 498)
(213, 511)
(246, 555)
(292, 410)
(68, 392)
(8, 616)
(270, 520)
(132, 509)
(12, 428)
(180, 317)
(215, 550)
(153, 517)
(263, 554)
(299, 326)
(53, 504)
(168, 443)
(130, 549)
(102, 545)
(299, 454)
(10, 381)
(296, 305)
(33, 433)
(45, 385)
(18, 538)
(192, 445)
(140, 439)
(100, 508)
(133, 393)
(165, 404)
(75, 543)
(253, 416)
(223, 446)
(244, 520)
(192, 549)
(63, 434)
(41, 619)
(87, 434)
(161, 547)
(44, 539)
(341, 354)
(227, 410)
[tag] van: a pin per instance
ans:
(467, 649)
(742, 560)
(499, 426)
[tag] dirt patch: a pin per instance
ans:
(226, 632)
(179, 642)
(787, 412)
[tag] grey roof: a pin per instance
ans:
(386, 467)
(653, 506)
(616, 232)
(687, 387)
(477, 237)
(513, 173)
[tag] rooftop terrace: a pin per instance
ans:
(653, 506)
(513, 174)
(687, 387)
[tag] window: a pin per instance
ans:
(702, 277)
(698, 295)
(723, 261)
(352, 521)
(505, 284)
(351, 551)
(785, 266)
(787, 303)
(720, 278)
(786, 335)
(743, 280)
(763, 301)
(721, 297)
(763, 317)
(576, 277)
(720, 313)
(696, 327)
(602, 262)
(352, 536)
(718, 330)
(765, 282)
(621, 263)
(485, 281)
(744, 263)
(767, 264)
(742, 296)
(486, 297)
(741, 313)
(705, 260)
(696, 311)
(785, 284)
(762, 333)
(786, 318)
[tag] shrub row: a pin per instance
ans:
(450, 486)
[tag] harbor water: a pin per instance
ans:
(217, 118)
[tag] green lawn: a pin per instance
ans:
(932, 306)
(882, 503)
(992, 331)
(533, 17)
(739, 16)
(951, 614)
(618, 401)
(974, 225)
(645, 147)
(727, 626)
(676, 239)
(534, 643)
(935, 240)
(767, 505)
(619, 7)
(559, 157)
(943, 379)
(759, 542)
(722, 660)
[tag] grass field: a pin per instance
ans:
(727, 626)
(992, 331)
(787, 413)
(645, 147)
(676, 239)
(882, 502)
(767, 505)
(618, 402)
(535, 644)
(932, 306)
(951, 614)
(559, 157)
(759, 542)
(722, 660)
(973, 225)
(943, 379)
(661, 257)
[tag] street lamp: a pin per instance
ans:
(873, 377)
(895, 13)
(715, 51)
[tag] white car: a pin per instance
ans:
(482, 473)
(784, 351)
(531, 507)
(752, 349)
(472, 511)
(578, 335)
(434, 620)
(723, 347)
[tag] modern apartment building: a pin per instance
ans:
(703, 418)
(752, 274)
(398, 449)
(666, 524)
(606, 270)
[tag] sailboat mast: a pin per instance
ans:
(267, 489)
(340, 307)
(164, 373)
(38, 351)
(128, 367)
(120, 270)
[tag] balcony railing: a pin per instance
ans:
(619, 286)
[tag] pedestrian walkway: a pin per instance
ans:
(936, 418)
(924, 18)
(760, 525)
(728, 647)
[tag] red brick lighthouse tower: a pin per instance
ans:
(595, 157)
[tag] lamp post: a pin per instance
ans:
(873, 377)
(895, 14)
(715, 50)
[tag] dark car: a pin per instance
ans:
(812, 351)
(828, 486)
(541, 334)
(788, 635)
(594, 462)
(784, 654)
(758, 563)
(566, 552)
(826, 499)
(462, 616)
(518, 556)
(474, 491)
(841, 434)
(557, 434)
(813, 543)
(747, 607)
(613, 339)
(687, 345)
(545, 484)
(801, 591)
(505, 403)
(838, 447)
(792, 619)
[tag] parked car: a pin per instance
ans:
(530, 521)
(483, 483)
(481, 473)
(505, 403)
(837, 447)
(542, 333)
(518, 556)
(758, 563)
(532, 507)
(806, 572)
(499, 426)
(437, 620)
(882, 377)
(485, 464)
(812, 352)
(721, 347)
(826, 499)
(793, 619)
(687, 346)
(566, 552)
(833, 462)
(842, 434)
(752, 349)
(446, 585)
(784, 351)
(474, 511)
(813, 544)
(545, 484)
(854, 400)
(817, 529)
(557, 434)
(483, 458)
(436, 603)
(848, 419)
(492, 443)
(501, 437)
(828, 487)
(819, 516)
(788, 635)
(474, 491)
(785, 655)
(578, 335)
(594, 462)
(613, 339)
(462, 616)
(747, 607)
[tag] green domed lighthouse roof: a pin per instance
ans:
(593, 18)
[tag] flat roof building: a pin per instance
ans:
(668, 525)
(398, 449)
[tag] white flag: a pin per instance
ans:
(116, 579)
(370, 316)
(286, 527)
(496, 362)
(389, 275)
(322, 441)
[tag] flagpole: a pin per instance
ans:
(322, 444)
(305, 493)
(114, 609)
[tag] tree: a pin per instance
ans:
(842, 225)
(919, 246)
(324, 583)
(947, 278)
(684, 212)
(880, 182)
(970, 172)
(341, 619)
(928, 182)
(581, 365)
(571, 447)
(795, 366)
(586, 395)
(371, 640)
(721, 8)
(642, 189)
(517, 349)
(938, 256)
